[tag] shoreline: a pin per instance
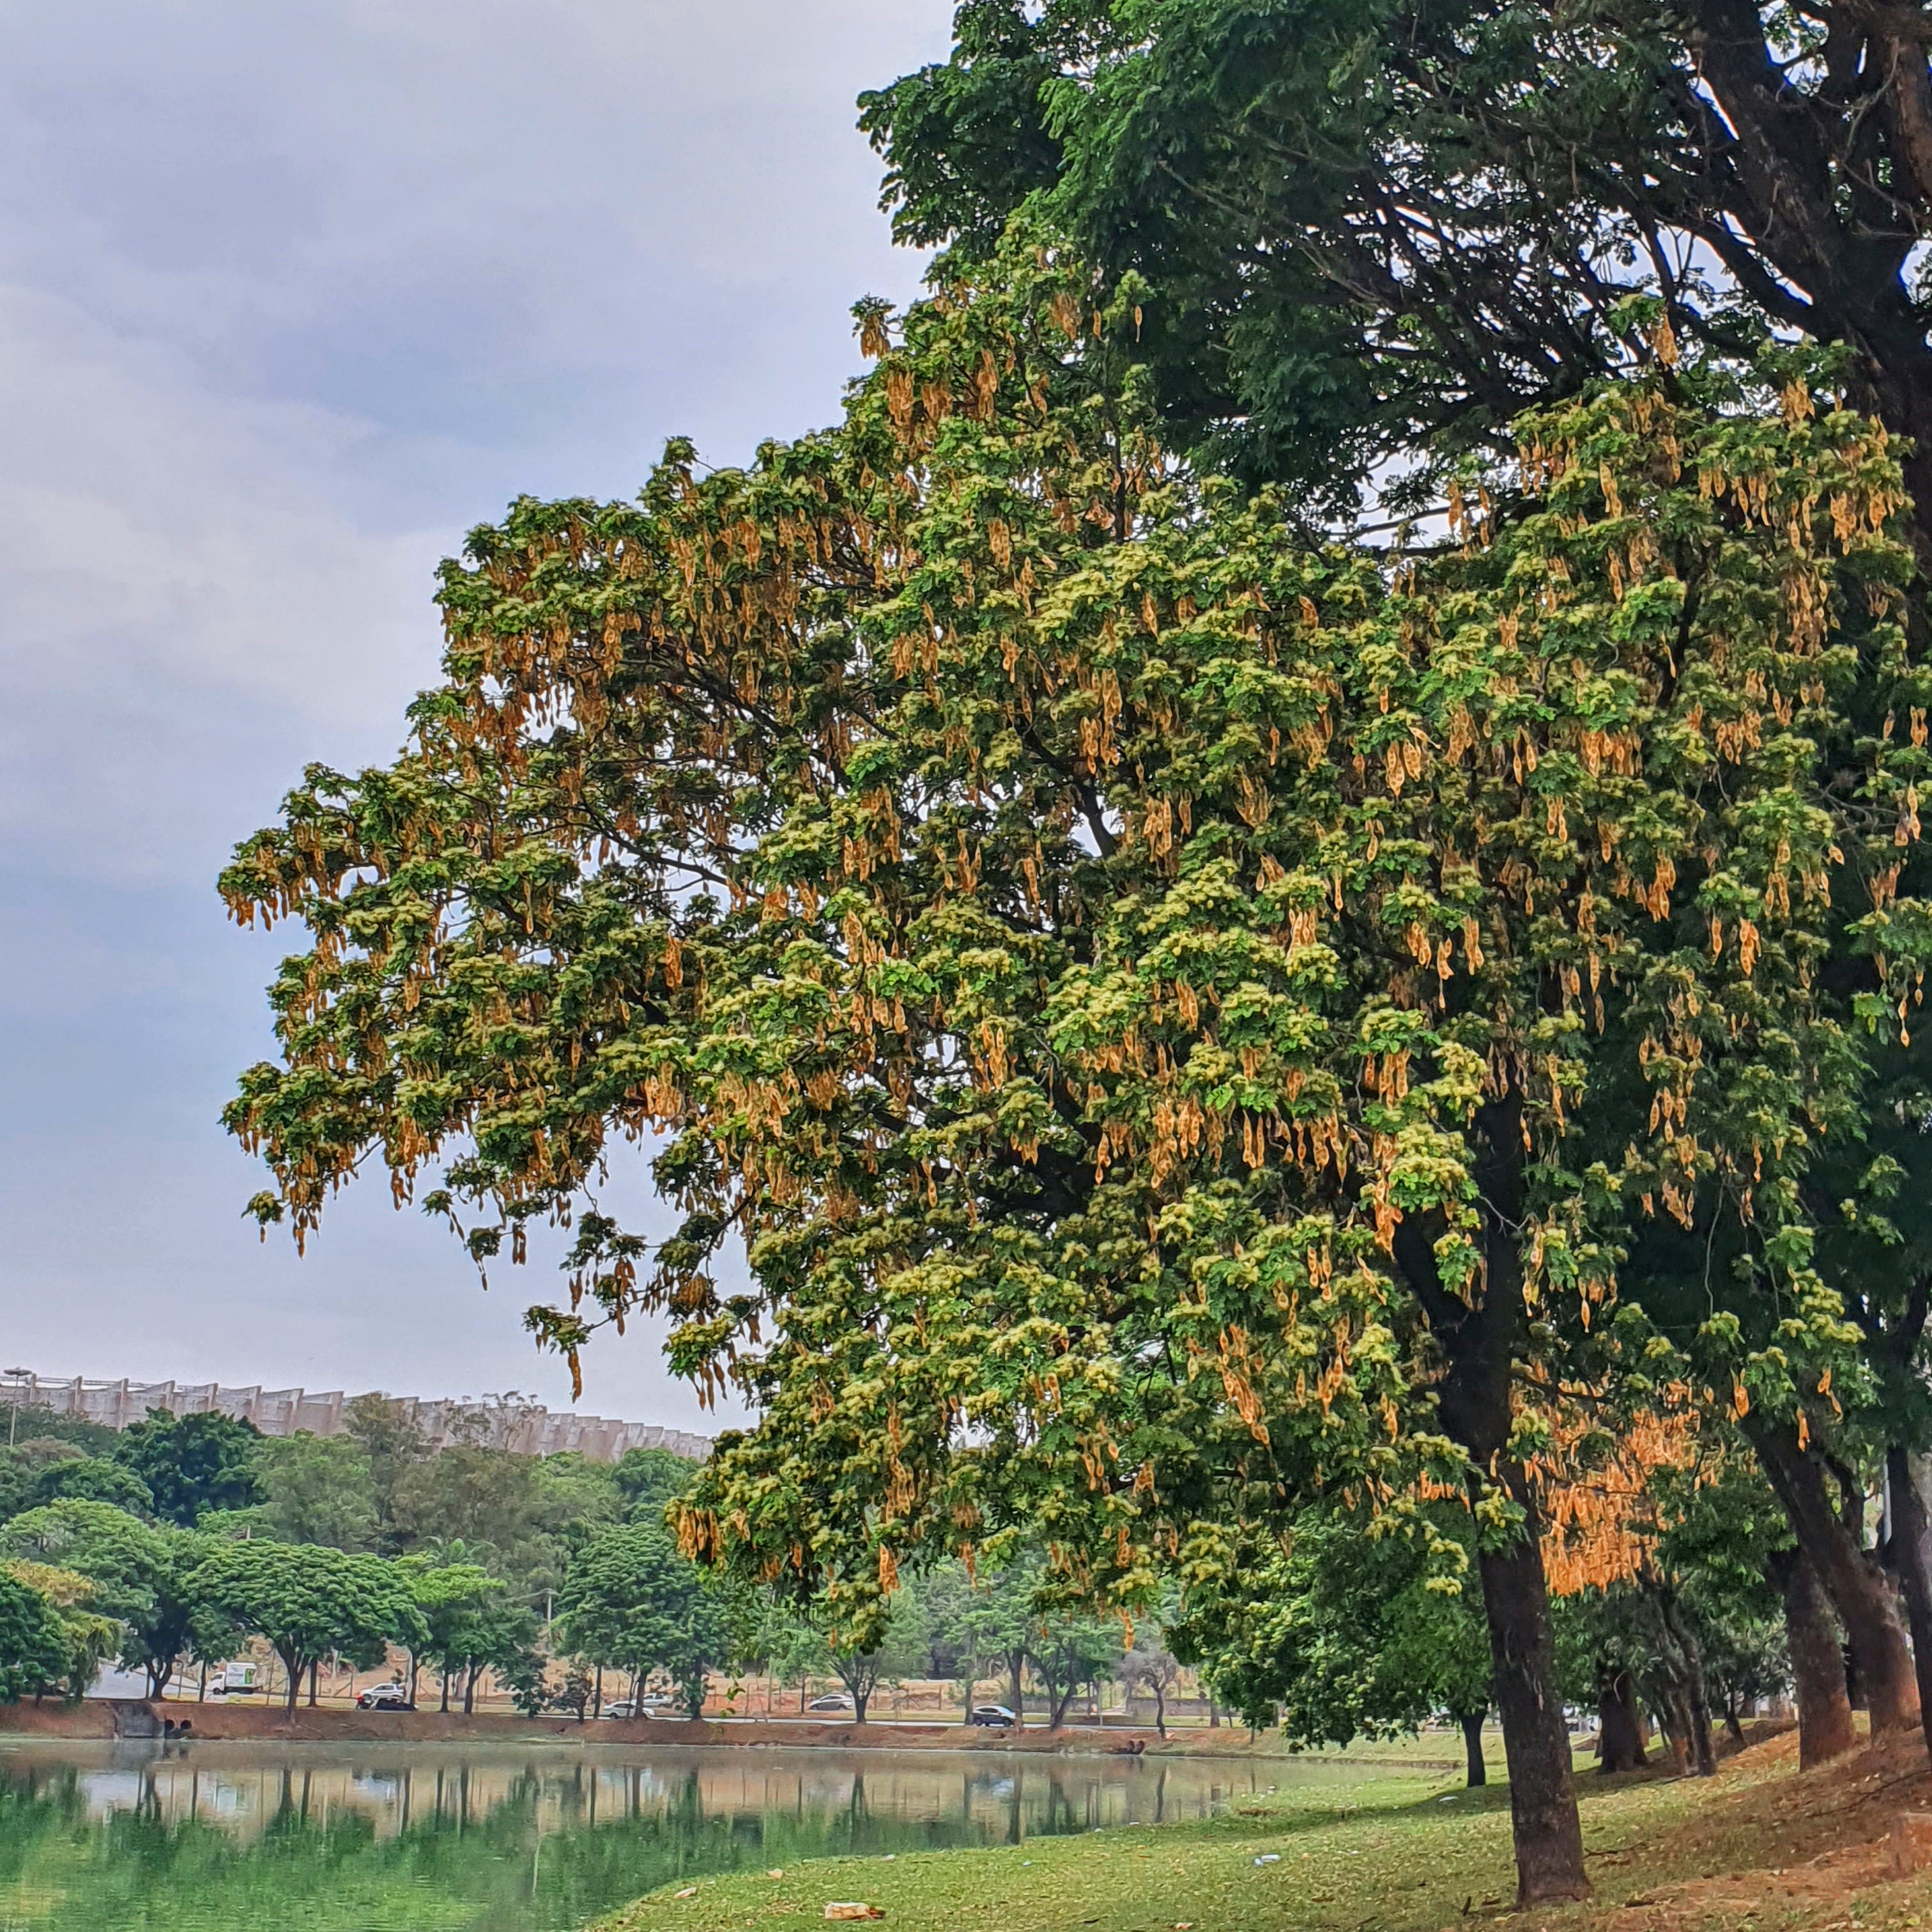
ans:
(101, 1721)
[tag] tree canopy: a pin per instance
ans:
(1368, 228)
(1180, 1016)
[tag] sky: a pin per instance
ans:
(291, 297)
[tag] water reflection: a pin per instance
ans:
(95, 1838)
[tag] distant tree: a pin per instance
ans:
(631, 1600)
(96, 1479)
(34, 1640)
(1070, 1653)
(460, 1604)
(648, 1479)
(314, 1489)
(1151, 1666)
(30, 1423)
(393, 1445)
(893, 1652)
(994, 1622)
(574, 1694)
(22, 1466)
(1344, 1633)
(791, 1648)
(192, 1464)
(307, 1600)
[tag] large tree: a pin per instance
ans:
(192, 1464)
(307, 1600)
(1182, 1019)
(631, 1599)
(1378, 228)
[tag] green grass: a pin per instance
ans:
(1392, 1851)
(1387, 1853)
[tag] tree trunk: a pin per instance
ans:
(1471, 1722)
(470, 1687)
(1912, 1547)
(201, 1689)
(1016, 1664)
(414, 1664)
(1480, 1343)
(1733, 1729)
(444, 1706)
(1619, 1722)
(291, 1670)
(1693, 1701)
(1858, 1590)
(1160, 1707)
(314, 1665)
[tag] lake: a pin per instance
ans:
(220, 1837)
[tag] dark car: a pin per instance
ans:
(992, 1716)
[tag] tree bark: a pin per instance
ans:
(1619, 1722)
(1817, 1663)
(314, 1665)
(1693, 1701)
(1478, 1772)
(1859, 1591)
(1480, 1343)
(1016, 1663)
(291, 1670)
(1912, 1548)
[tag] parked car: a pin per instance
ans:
(832, 1703)
(658, 1704)
(385, 1697)
(992, 1716)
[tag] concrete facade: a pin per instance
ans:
(525, 1429)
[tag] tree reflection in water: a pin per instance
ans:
(372, 1838)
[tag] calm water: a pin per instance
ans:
(378, 1838)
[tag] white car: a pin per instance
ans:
(835, 1703)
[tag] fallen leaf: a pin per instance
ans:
(852, 1909)
(777, 1871)
(689, 1892)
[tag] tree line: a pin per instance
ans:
(1278, 887)
(171, 1545)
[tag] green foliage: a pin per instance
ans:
(93, 1479)
(314, 1489)
(141, 1576)
(191, 1464)
(631, 1600)
(1345, 1632)
(307, 1600)
(1159, 966)
(34, 1641)
(1366, 233)
(649, 1480)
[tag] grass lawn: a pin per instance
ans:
(1760, 1848)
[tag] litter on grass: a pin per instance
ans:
(1269, 1858)
(853, 1909)
(689, 1892)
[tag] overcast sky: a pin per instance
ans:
(290, 296)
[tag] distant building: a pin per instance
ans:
(524, 1428)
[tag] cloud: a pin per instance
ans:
(290, 297)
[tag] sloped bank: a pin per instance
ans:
(217, 1722)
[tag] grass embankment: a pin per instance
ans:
(1759, 1847)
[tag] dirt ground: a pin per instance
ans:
(95, 1717)
(1762, 1845)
